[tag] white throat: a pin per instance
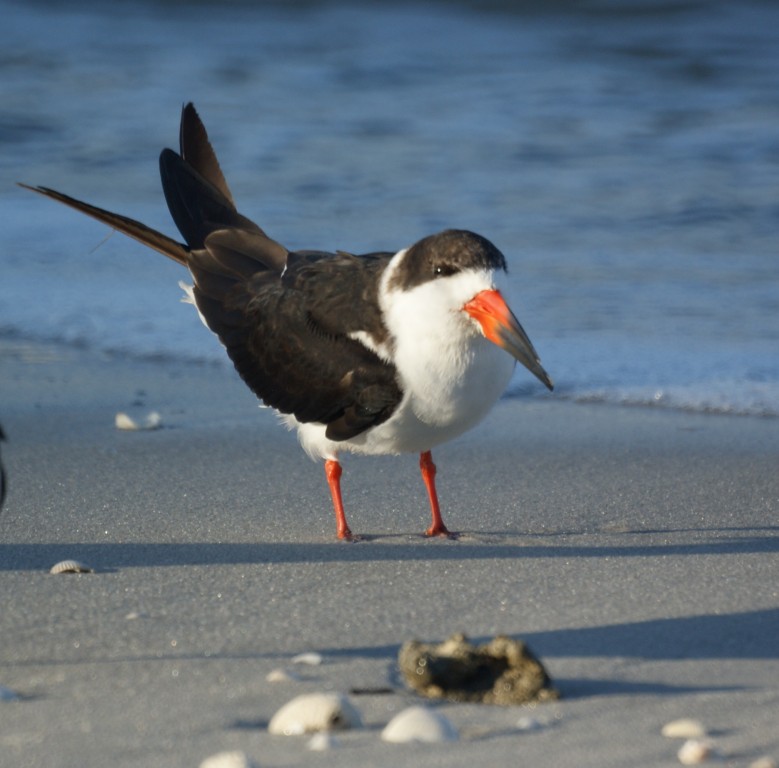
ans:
(451, 372)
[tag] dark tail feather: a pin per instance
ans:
(196, 205)
(201, 204)
(140, 232)
(196, 149)
(197, 194)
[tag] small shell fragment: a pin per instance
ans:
(315, 712)
(282, 676)
(419, 724)
(322, 742)
(529, 724)
(237, 759)
(696, 751)
(151, 421)
(71, 566)
(764, 762)
(686, 728)
(311, 659)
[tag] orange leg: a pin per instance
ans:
(333, 473)
(426, 466)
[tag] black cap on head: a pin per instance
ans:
(446, 253)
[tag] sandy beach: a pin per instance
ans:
(635, 550)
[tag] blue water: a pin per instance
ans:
(623, 155)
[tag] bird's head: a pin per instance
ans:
(459, 272)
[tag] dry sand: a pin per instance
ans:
(636, 551)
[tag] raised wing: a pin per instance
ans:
(286, 319)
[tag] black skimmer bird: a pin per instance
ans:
(382, 353)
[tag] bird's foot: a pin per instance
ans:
(348, 536)
(443, 531)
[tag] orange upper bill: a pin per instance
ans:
(500, 326)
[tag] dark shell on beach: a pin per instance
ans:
(503, 671)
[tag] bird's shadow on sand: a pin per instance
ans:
(109, 556)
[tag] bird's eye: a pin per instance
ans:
(443, 270)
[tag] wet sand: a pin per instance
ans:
(635, 550)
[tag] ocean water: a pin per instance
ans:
(623, 155)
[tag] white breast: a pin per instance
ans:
(450, 374)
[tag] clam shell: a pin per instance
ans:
(71, 566)
(311, 659)
(695, 751)
(235, 759)
(685, 728)
(419, 724)
(315, 712)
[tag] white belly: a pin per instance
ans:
(438, 406)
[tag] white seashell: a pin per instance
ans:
(529, 724)
(71, 566)
(123, 421)
(695, 751)
(281, 676)
(312, 659)
(314, 712)
(152, 421)
(134, 615)
(322, 742)
(235, 759)
(6, 694)
(419, 724)
(764, 762)
(686, 728)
